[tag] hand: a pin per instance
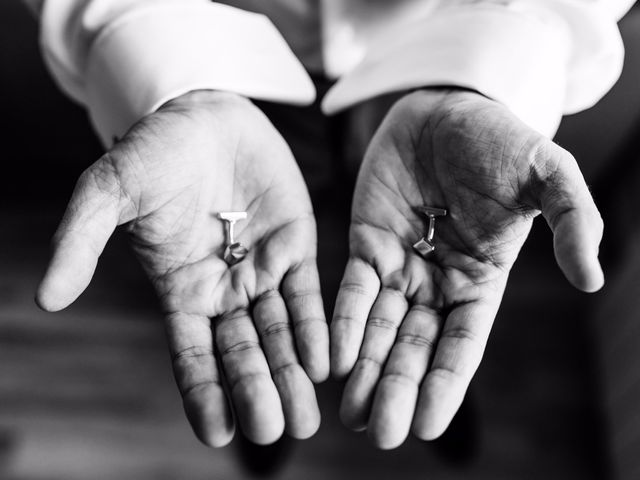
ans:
(201, 154)
(410, 331)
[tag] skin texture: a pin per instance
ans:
(248, 339)
(409, 332)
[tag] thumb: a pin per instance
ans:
(570, 211)
(94, 211)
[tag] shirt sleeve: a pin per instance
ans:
(541, 58)
(123, 59)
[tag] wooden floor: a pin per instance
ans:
(88, 393)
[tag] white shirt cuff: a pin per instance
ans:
(522, 55)
(156, 53)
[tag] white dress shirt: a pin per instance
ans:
(125, 58)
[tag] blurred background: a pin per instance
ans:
(88, 393)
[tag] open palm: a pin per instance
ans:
(247, 337)
(409, 330)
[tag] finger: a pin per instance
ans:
(93, 213)
(253, 393)
(577, 226)
(358, 291)
(198, 378)
(380, 332)
(458, 354)
(397, 393)
(301, 413)
(301, 290)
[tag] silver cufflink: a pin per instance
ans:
(425, 245)
(234, 251)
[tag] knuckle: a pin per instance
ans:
(558, 213)
(400, 378)
(194, 388)
(445, 373)
(233, 315)
(268, 295)
(342, 319)
(367, 361)
(284, 369)
(241, 346)
(460, 332)
(427, 310)
(276, 328)
(310, 321)
(415, 340)
(244, 383)
(382, 323)
(195, 351)
(301, 295)
(395, 292)
(354, 288)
